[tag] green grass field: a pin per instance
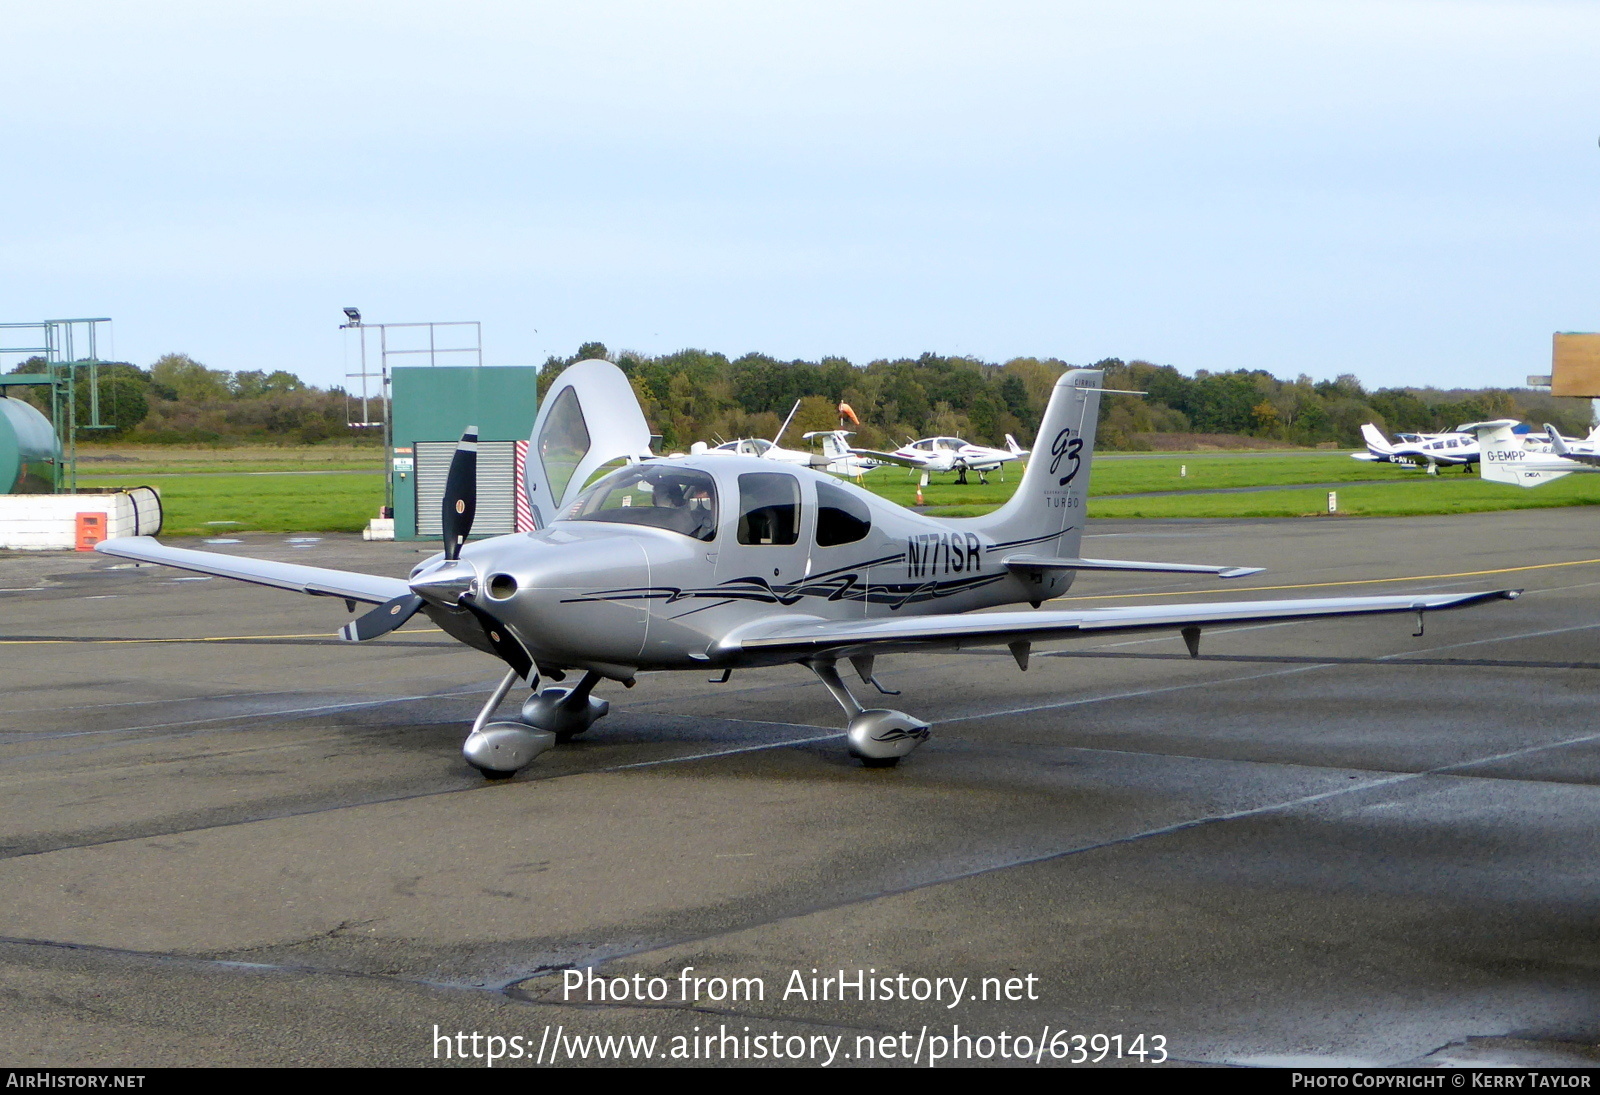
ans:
(122, 461)
(217, 504)
(1401, 492)
(213, 492)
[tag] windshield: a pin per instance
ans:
(677, 499)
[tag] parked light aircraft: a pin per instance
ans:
(1529, 460)
(724, 563)
(761, 447)
(942, 454)
(1457, 447)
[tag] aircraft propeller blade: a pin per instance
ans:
(507, 647)
(460, 494)
(381, 620)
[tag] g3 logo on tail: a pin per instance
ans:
(1065, 445)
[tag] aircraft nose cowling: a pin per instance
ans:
(575, 593)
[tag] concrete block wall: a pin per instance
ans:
(49, 522)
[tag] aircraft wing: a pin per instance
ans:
(839, 638)
(892, 458)
(318, 581)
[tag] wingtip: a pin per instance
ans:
(1240, 572)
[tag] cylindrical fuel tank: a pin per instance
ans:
(28, 449)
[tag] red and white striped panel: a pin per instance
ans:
(524, 510)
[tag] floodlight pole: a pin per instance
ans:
(384, 389)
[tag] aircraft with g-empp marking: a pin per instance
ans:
(1509, 457)
(729, 562)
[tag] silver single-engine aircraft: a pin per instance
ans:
(729, 562)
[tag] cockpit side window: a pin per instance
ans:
(769, 508)
(842, 518)
(667, 497)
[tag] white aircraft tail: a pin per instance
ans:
(1558, 444)
(1045, 516)
(835, 445)
(1014, 448)
(1375, 440)
(1594, 436)
(1505, 459)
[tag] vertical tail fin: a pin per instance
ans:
(1046, 514)
(1505, 460)
(1375, 440)
(1558, 444)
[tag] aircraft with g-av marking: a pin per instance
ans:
(729, 562)
(1457, 447)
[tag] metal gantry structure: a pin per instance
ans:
(381, 380)
(69, 347)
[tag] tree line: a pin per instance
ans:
(179, 401)
(698, 395)
(695, 395)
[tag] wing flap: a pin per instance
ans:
(1048, 562)
(981, 629)
(317, 581)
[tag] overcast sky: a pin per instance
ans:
(1406, 191)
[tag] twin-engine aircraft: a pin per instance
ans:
(729, 562)
(945, 454)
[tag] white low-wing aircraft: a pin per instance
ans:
(1457, 447)
(834, 458)
(942, 454)
(725, 563)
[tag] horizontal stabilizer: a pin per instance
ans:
(318, 581)
(1048, 562)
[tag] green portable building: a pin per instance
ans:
(430, 408)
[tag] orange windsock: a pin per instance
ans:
(846, 411)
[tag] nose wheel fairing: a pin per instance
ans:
(501, 748)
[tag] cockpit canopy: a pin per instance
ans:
(674, 498)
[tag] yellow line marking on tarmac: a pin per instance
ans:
(205, 639)
(1325, 585)
(1094, 597)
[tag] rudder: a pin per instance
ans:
(1046, 514)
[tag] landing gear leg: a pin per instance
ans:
(878, 737)
(566, 712)
(501, 749)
